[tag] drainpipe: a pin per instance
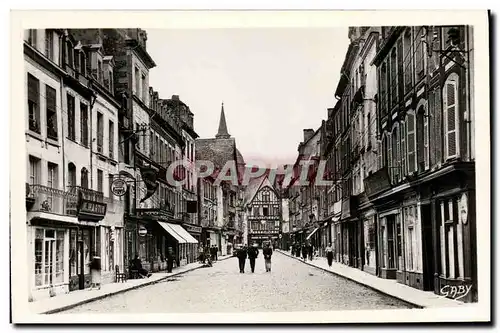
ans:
(61, 59)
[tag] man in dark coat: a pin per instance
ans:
(267, 252)
(170, 259)
(310, 250)
(297, 250)
(253, 252)
(305, 251)
(242, 257)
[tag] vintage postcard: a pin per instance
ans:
(250, 167)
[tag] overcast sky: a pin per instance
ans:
(273, 82)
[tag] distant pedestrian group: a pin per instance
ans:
(252, 253)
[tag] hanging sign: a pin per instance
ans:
(119, 187)
(149, 177)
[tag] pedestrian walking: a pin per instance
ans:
(297, 250)
(304, 252)
(253, 253)
(242, 257)
(170, 259)
(310, 251)
(267, 252)
(329, 254)
(216, 250)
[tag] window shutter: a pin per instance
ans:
(395, 157)
(411, 142)
(403, 149)
(33, 88)
(398, 153)
(51, 98)
(451, 119)
(389, 156)
(426, 142)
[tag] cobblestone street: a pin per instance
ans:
(291, 286)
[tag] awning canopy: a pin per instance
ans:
(170, 230)
(312, 233)
(184, 234)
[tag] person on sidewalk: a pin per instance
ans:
(310, 251)
(137, 265)
(242, 257)
(329, 254)
(305, 251)
(253, 253)
(298, 248)
(170, 259)
(216, 251)
(267, 252)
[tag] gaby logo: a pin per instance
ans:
(456, 292)
(306, 172)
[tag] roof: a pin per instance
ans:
(222, 133)
(257, 183)
(218, 151)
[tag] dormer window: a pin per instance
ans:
(69, 53)
(110, 78)
(99, 70)
(83, 65)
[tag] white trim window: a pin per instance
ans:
(389, 156)
(426, 141)
(451, 116)
(411, 145)
(402, 135)
(396, 153)
(49, 257)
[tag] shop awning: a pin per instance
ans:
(184, 234)
(312, 233)
(168, 227)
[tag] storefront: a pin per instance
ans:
(194, 230)
(350, 230)
(48, 256)
(367, 221)
(184, 245)
(452, 211)
(85, 241)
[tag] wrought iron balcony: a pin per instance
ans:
(87, 194)
(51, 200)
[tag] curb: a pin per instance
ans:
(70, 306)
(356, 281)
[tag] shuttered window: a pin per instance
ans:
(71, 116)
(34, 103)
(403, 149)
(426, 141)
(389, 156)
(51, 113)
(450, 100)
(395, 153)
(410, 144)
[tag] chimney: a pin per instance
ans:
(175, 97)
(308, 133)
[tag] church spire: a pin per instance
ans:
(222, 134)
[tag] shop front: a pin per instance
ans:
(349, 228)
(453, 219)
(367, 235)
(85, 241)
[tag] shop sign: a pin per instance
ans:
(193, 229)
(119, 187)
(92, 208)
(377, 182)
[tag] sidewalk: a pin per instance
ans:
(67, 301)
(423, 299)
